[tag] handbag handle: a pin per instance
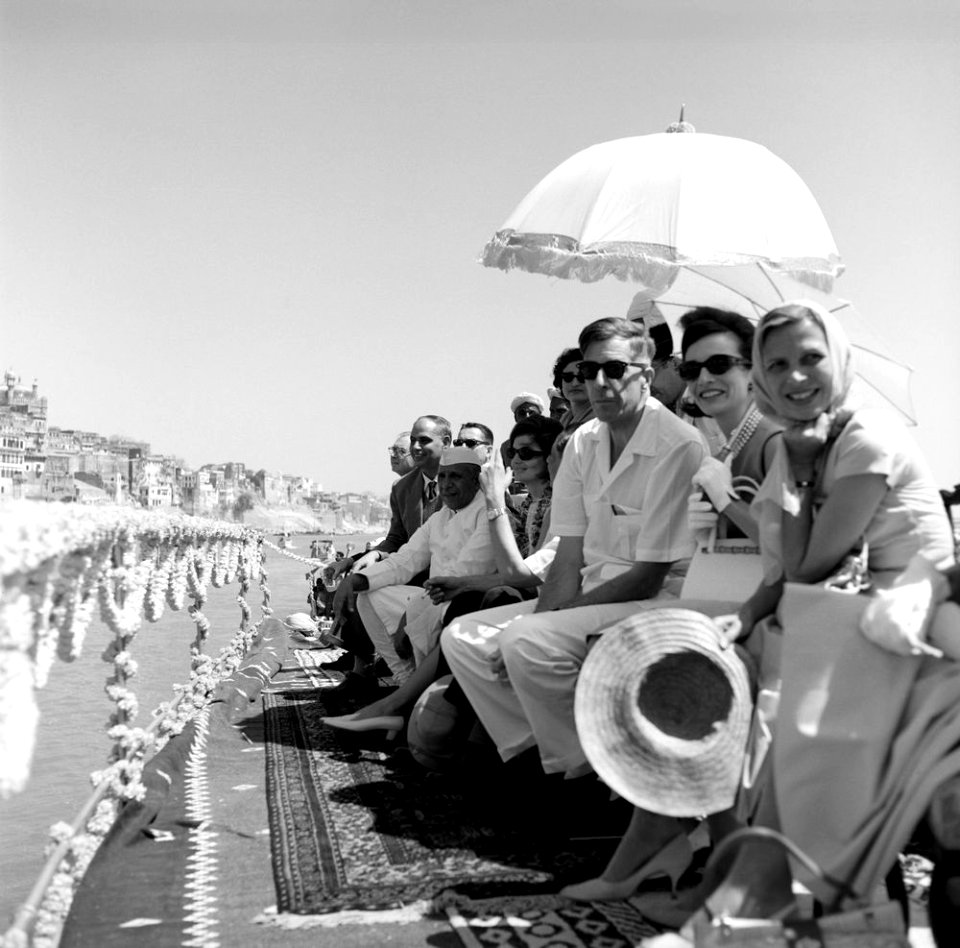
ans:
(730, 843)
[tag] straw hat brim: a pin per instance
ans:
(663, 713)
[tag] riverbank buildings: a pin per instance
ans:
(47, 463)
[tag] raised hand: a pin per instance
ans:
(805, 442)
(493, 479)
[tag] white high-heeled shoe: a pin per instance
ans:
(672, 861)
(391, 723)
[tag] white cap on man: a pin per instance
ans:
(462, 455)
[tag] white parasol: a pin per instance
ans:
(640, 208)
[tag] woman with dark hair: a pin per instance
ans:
(716, 364)
(567, 378)
(529, 448)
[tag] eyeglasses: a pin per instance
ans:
(525, 454)
(715, 365)
(572, 376)
(398, 452)
(614, 369)
(469, 443)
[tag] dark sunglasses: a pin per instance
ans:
(572, 376)
(525, 454)
(614, 369)
(468, 443)
(715, 365)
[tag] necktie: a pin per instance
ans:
(431, 492)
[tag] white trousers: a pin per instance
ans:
(381, 611)
(542, 653)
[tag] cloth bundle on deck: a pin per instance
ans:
(864, 737)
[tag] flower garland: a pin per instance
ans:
(155, 604)
(57, 565)
(77, 601)
(177, 588)
(309, 561)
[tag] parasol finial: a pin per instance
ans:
(680, 126)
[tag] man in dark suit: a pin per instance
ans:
(413, 498)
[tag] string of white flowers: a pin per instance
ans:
(56, 566)
(308, 560)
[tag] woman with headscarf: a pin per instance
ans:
(843, 478)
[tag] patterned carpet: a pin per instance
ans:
(355, 828)
(599, 925)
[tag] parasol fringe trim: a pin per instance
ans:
(651, 265)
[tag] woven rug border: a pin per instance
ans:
(314, 861)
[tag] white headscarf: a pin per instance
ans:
(838, 351)
(778, 492)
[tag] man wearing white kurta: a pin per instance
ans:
(455, 541)
(619, 509)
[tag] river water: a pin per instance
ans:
(71, 738)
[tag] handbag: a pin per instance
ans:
(725, 569)
(872, 926)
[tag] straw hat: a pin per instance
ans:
(663, 712)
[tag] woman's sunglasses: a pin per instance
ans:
(571, 377)
(468, 443)
(715, 365)
(614, 369)
(525, 454)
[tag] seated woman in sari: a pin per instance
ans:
(716, 348)
(843, 478)
(518, 551)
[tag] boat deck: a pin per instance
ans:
(205, 860)
(192, 865)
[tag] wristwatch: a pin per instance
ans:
(494, 512)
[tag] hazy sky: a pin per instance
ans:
(248, 230)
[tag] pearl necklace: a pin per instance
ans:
(744, 433)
